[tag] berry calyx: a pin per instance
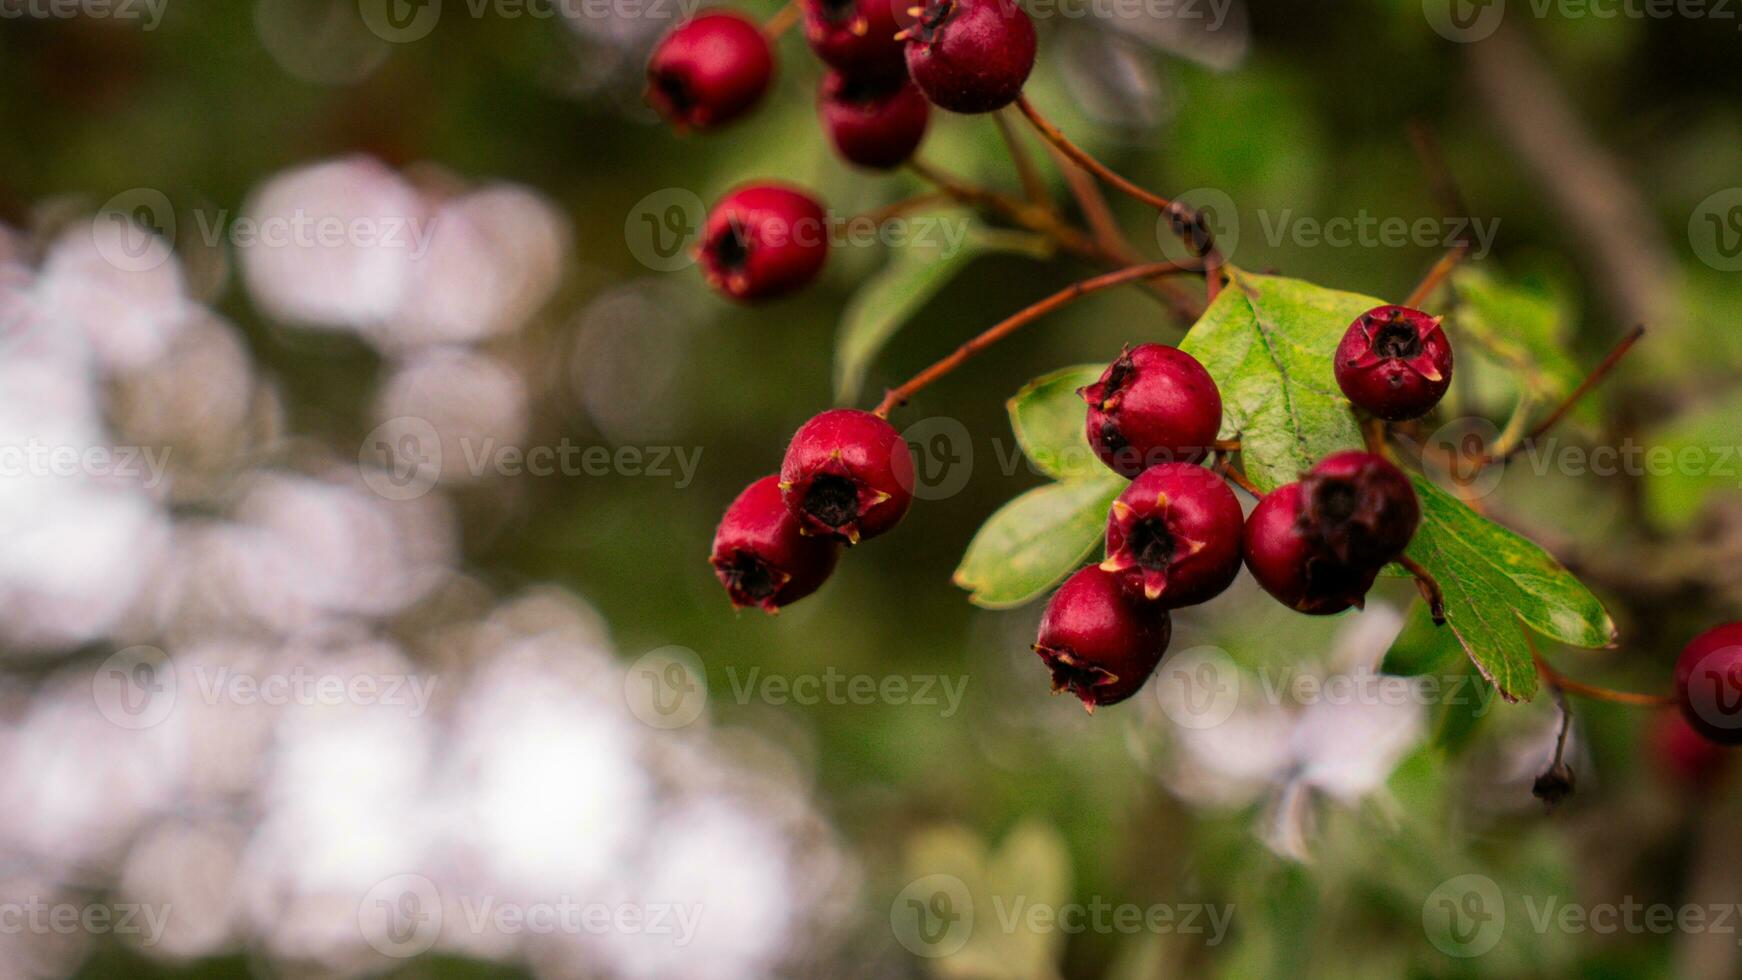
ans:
(1155, 404)
(1360, 507)
(971, 55)
(875, 123)
(763, 241)
(847, 476)
(761, 557)
(856, 36)
(1686, 756)
(709, 70)
(1708, 683)
(1395, 362)
(1173, 536)
(1293, 565)
(1100, 644)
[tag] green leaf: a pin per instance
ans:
(1703, 457)
(1525, 326)
(1036, 540)
(1493, 580)
(1269, 343)
(1049, 419)
(915, 273)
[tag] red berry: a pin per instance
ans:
(1688, 757)
(761, 557)
(847, 475)
(1293, 566)
(876, 123)
(1155, 404)
(1361, 507)
(1173, 536)
(971, 55)
(1708, 681)
(857, 36)
(764, 240)
(709, 70)
(1395, 362)
(1100, 644)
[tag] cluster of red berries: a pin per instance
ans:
(885, 71)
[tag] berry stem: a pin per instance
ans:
(1559, 681)
(1437, 275)
(887, 212)
(1093, 204)
(782, 20)
(1238, 477)
(900, 395)
(1032, 186)
(1591, 381)
(1429, 587)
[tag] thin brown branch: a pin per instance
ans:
(1437, 275)
(1591, 381)
(1032, 186)
(1556, 679)
(782, 20)
(1429, 587)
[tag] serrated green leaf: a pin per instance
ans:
(1525, 327)
(1036, 540)
(1705, 457)
(1269, 343)
(1049, 419)
(1494, 580)
(915, 273)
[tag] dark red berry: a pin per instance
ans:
(709, 70)
(847, 475)
(876, 123)
(1360, 506)
(1395, 362)
(1100, 643)
(1294, 566)
(857, 36)
(763, 241)
(761, 557)
(1173, 536)
(1155, 404)
(1686, 756)
(971, 55)
(1708, 681)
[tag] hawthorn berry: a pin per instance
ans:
(1708, 683)
(874, 122)
(856, 36)
(971, 55)
(760, 554)
(1099, 643)
(1361, 507)
(709, 70)
(1395, 362)
(1686, 756)
(1293, 565)
(763, 241)
(1173, 536)
(1155, 404)
(847, 475)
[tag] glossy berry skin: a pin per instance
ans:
(857, 36)
(1395, 363)
(1708, 683)
(763, 241)
(971, 55)
(761, 557)
(709, 70)
(847, 476)
(876, 124)
(1683, 754)
(1173, 536)
(1099, 643)
(1155, 404)
(1361, 507)
(1293, 566)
